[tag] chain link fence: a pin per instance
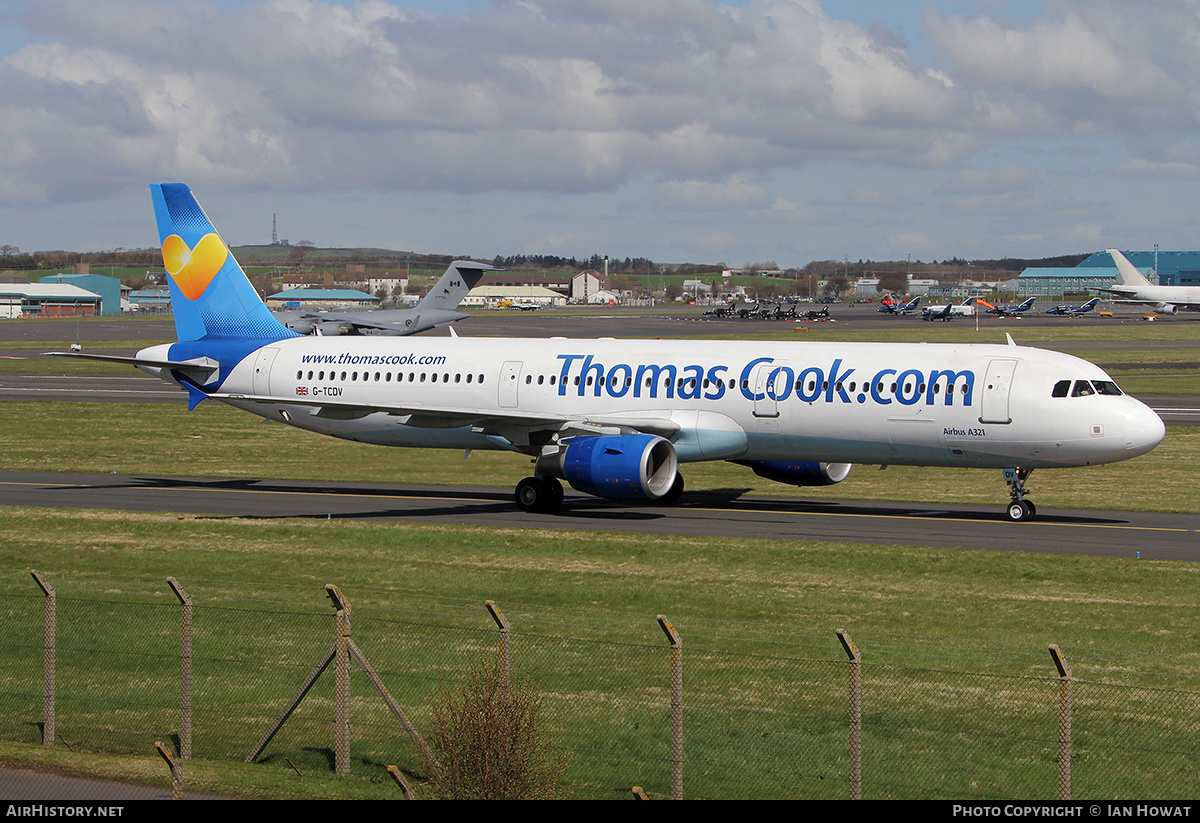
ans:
(317, 692)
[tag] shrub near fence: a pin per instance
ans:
(689, 709)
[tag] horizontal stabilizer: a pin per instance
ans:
(199, 367)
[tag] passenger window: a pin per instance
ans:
(1061, 389)
(1082, 389)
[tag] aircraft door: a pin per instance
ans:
(510, 374)
(770, 382)
(262, 369)
(993, 406)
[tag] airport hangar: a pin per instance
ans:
(1175, 268)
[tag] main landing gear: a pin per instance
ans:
(539, 494)
(1019, 509)
(543, 493)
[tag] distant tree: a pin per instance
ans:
(893, 281)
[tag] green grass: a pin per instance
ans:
(958, 680)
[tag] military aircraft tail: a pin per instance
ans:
(1127, 273)
(210, 295)
(460, 277)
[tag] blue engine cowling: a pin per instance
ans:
(617, 466)
(796, 473)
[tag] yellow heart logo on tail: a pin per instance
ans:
(193, 269)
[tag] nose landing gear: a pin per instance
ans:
(1019, 509)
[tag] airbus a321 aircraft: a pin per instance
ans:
(616, 418)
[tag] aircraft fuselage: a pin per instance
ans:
(920, 404)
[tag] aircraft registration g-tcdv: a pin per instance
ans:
(616, 418)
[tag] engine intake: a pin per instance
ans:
(617, 467)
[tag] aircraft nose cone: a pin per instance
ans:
(1144, 429)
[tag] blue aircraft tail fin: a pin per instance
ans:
(210, 295)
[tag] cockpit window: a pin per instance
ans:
(1061, 389)
(1082, 389)
(1106, 387)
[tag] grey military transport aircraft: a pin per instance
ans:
(437, 308)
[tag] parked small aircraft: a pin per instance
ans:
(938, 313)
(893, 307)
(1008, 309)
(1074, 311)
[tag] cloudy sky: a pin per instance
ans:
(679, 130)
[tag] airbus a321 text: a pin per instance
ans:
(617, 418)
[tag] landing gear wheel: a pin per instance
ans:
(555, 499)
(1019, 511)
(539, 494)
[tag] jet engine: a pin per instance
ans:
(617, 466)
(1166, 308)
(797, 473)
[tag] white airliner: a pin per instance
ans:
(616, 418)
(1132, 285)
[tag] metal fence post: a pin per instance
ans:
(341, 712)
(855, 714)
(176, 771)
(401, 782)
(47, 660)
(185, 671)
(1066, 688)
(676, 706)
(505, 638)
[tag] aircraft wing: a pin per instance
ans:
(1127, 295)
(443, 417)
(362, 320)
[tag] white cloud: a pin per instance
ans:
(540, 95)
(711, 114)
